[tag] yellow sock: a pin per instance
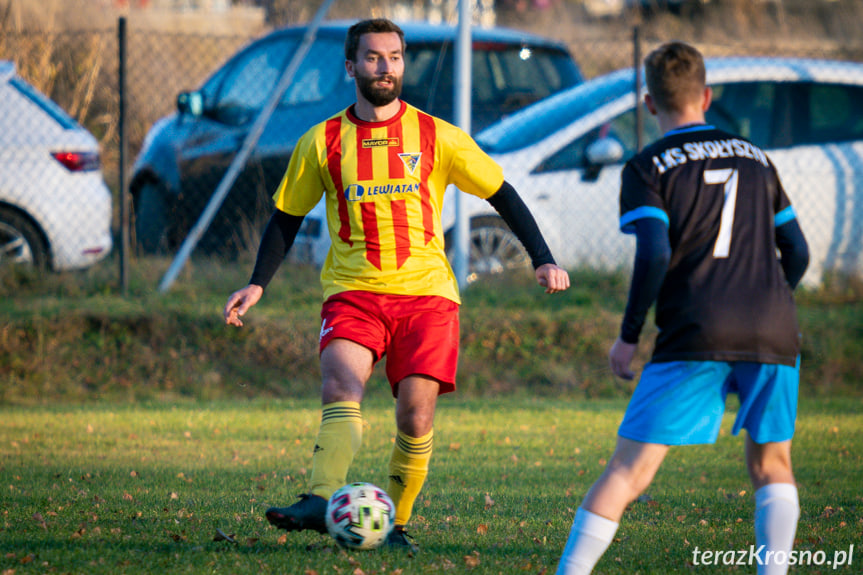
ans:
(339, 439)
(409, 466)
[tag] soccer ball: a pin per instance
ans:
(360, 516)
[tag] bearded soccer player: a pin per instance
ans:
(383, 167)
(708, 213)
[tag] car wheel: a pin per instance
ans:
(21, 243)
(494, 248)
(151, 228)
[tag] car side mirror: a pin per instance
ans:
(191, 103)
(600, 153)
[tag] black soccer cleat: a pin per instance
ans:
(307, 513)
(399, 539)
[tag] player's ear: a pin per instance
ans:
(349, 68)
(706, 98)
(651, 106)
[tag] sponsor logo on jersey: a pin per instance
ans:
(357, 193)
(411, 161)
(380, 142)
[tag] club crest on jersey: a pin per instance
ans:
(411, 161)
(380, 142)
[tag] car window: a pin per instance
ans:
(244, 87)
(543, 119)
(318, 75)
(835, 113)
(505, 78)
(621, 128)
(746, 109)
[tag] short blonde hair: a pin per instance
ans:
(675, 76)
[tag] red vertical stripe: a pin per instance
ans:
(397, 167)
(401, 229)
(334, 165)
(365, 167)
(427, 147)
(373, 238)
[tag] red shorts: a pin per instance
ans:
(418, 334)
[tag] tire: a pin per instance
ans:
(494, 249)
(21, 242)
(151, 220)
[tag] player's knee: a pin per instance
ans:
(336, 389)
(414, 422)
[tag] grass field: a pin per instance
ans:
(144, 489)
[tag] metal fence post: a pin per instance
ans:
(462, 107)
(124, 146)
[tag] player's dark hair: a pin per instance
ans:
(371, 26)
(675, 75)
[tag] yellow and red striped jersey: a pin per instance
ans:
(384, 184)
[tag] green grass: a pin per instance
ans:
(144, 488)
(73, 338)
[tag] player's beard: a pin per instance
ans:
(379, 96)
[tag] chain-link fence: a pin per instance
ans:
(175, 162)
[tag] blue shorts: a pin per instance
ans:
(682, 402)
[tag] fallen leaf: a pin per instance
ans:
(27, 559)
(482, 528)
(472, 560)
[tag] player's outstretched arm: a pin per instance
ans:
(552, 278)
(239, 303)
(519, 219)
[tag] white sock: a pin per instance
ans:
(588, 539)
(777, 509)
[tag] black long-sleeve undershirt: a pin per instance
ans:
(652, 256)
(282, 228)
(514, 212)
(278, 237)
(794, 251)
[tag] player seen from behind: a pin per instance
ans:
(708, 213)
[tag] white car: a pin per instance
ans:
(55, 209)
(564, 156)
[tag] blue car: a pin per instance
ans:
(185, 155)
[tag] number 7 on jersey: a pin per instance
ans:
(728, 177)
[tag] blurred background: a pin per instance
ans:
(69, 51)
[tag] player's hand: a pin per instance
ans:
(239, 303)
(552, 278)
(620, 358)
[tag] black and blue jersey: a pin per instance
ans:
(725, 295)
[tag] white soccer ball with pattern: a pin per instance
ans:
(360, 516)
